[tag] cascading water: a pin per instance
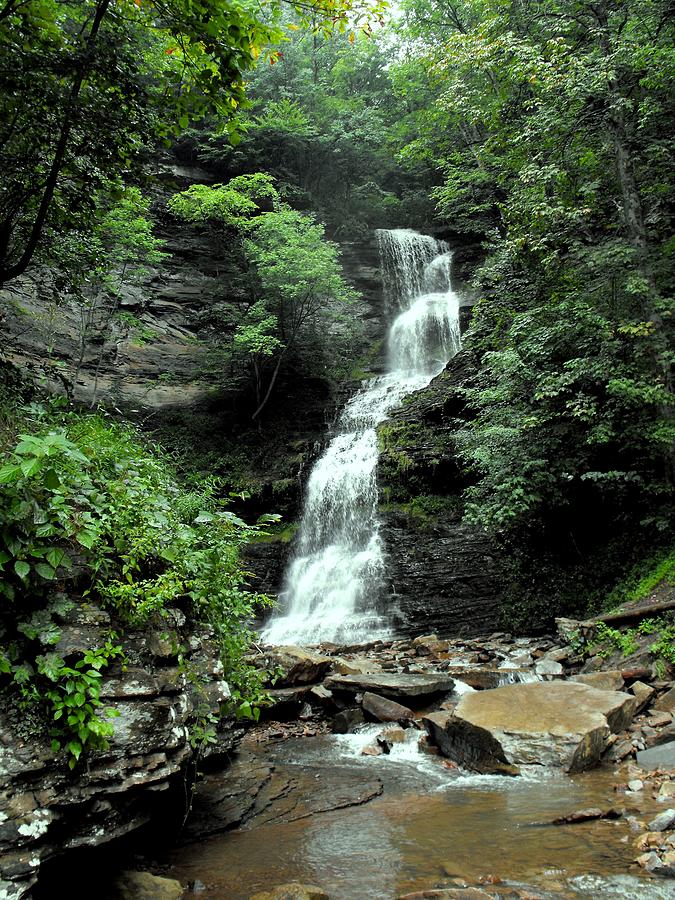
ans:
(334, 583)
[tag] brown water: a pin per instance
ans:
(430, 824)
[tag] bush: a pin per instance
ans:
(91, 511)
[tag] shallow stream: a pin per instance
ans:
(430, 824)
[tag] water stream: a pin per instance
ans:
(333, 586)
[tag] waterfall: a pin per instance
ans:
(334, 583)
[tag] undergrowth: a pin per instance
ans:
(94, 514)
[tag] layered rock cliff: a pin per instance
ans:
(442, 575)
(171, 679)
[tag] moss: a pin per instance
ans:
(283, 533)
(656, 573)
(426, 511)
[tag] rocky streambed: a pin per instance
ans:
(436, 768)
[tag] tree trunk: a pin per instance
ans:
(9, 271)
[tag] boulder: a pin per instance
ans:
(348, 720)
(560, 724)
(663, 821)
(660, 757)
(356, 666)
(385, 710)
(474, 748)
(548, 668)
(603, 681)
(293, 891)
(643, 692)
(666, 702)
(409, 687)
(144, 886)
(297, 665)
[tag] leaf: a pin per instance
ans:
(30, 467)
(45, 571)
(55, 557)
(21, 568)
(9, 473)
(87, 538)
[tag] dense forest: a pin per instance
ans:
(534, 135)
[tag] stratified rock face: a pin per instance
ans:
(559, 724)
(407, 687)
(442, 575)
(445, 580)
(45, 809)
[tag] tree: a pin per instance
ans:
(86, 87)
(293, 281)
(299, 282)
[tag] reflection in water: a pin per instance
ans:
(431, 824)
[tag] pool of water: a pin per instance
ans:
(431, 824)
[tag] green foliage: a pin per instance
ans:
(608, 640)
(292, 276)
(86, 88)
(231, 205)
(88, 506)
(651, 575)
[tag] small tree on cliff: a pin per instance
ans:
(296, 293)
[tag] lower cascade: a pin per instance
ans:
(333, 585)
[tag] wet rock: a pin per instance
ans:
(458, 893)
(665, 735)
(620, 750)
(587, 815)
(473, 748)
(649, 861)
(385, 710)
(603, 681)
(298, 666)
(663, 821)
(666, 702)
(356, 666)
(643, 692)
(667, 790)
(377, 748)
(293, 891)
(548, 668)
(347, 720)
(658, 719)
(409, 687)
(45, 809)
(635, 785)
(558, 654)
(393, 735)
(559, 724)
(321, 695)
(660, 757)
(144, 886)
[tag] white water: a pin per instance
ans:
(333, 585)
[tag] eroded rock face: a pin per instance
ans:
(559, 724)
(47, 809)
(442, 575)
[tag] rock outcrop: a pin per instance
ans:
(46, 809)
(559, 724)
(442, 575)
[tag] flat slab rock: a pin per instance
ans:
(391, 685)
(559, 724)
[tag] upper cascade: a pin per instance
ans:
(333, 588)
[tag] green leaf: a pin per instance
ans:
(21, 568)
(45, 571)
(9, 473)
(30, 466)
